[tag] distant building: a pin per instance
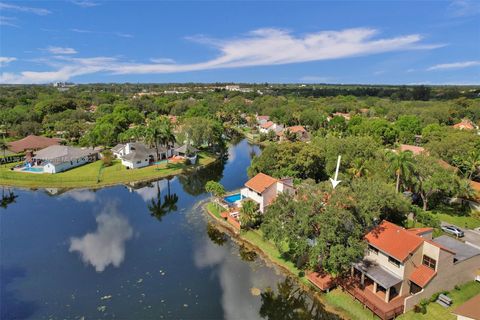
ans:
(465, 124)
(300, 132)
(413, 149)
(270, 126)
(32, 143)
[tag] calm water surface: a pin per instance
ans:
(133, 253)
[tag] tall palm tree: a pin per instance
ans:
(156, 208)
(473, 164)
(402, 163)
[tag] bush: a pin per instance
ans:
(427, 218)
(188, 162)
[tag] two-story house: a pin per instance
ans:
(403, 266)
(263, 189)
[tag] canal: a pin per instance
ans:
(143, 252)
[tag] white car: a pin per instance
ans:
(453, 230)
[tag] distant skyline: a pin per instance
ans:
(368, 42)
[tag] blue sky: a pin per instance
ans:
(370, 42)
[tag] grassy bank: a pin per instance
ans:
(436, 311)
(90, 175)
(335, 301)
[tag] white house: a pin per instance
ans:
(263, 189)
(58, 158)
(270, 126)
(138, 155)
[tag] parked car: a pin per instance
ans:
(453, 230)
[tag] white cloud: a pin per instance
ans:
(463, 8)
(12, 7)
(81, 195)
(85, 3)
(455, 65)
(6, 60)
(106, 245)
(61, 50)
(8, 21)
(261, 47)
(117, 34)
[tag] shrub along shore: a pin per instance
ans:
(95, 175)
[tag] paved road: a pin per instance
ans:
(472, 236)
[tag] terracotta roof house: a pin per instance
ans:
(263, 189)
(403, 266)
(465, 124)
(345, 115)
(32, 142)
(469, 310)
(413, 149)
(270, 126)
(300, 131)
(476, 188)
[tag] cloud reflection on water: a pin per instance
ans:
(106, 245)
(81, 195)
(236, 279)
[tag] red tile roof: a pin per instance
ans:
(414, 149)
(260, 182)
(422, 275)
(323, 281)
(476, 188)
(32, 142)
(267, 125)
(394, 240)
(465, 124)
(296, 129)
(263, 118)
(469, 309)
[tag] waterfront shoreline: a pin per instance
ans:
(305, 285)
(70, 179)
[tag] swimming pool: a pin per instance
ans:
(30, 169)
(160, 162)
(233, 198)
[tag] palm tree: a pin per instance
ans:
(7, 199)
(358, 168)
(402, 163)
(156, 208)
(3, 148)
(167, 137)
(464, 191)
(248, 213)
(472, 164)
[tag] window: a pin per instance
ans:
(394, 261)
(429, 262)
(139, 161)
(372, 250)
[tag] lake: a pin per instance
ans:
(143, 252)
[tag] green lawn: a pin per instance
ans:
(437, 312)
(89, 176)
(346, 305)
(465, 221)
(215, 210)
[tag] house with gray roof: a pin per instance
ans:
(138, 155)
(59, 158)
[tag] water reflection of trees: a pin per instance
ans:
(159, 208)
(217, 236)
(194, 180)
(246, 254)
(7, 198)
(292, 303)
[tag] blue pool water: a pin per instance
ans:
(33, 169)
(233, 198)
(160, 162)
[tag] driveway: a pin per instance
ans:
(471, 236)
